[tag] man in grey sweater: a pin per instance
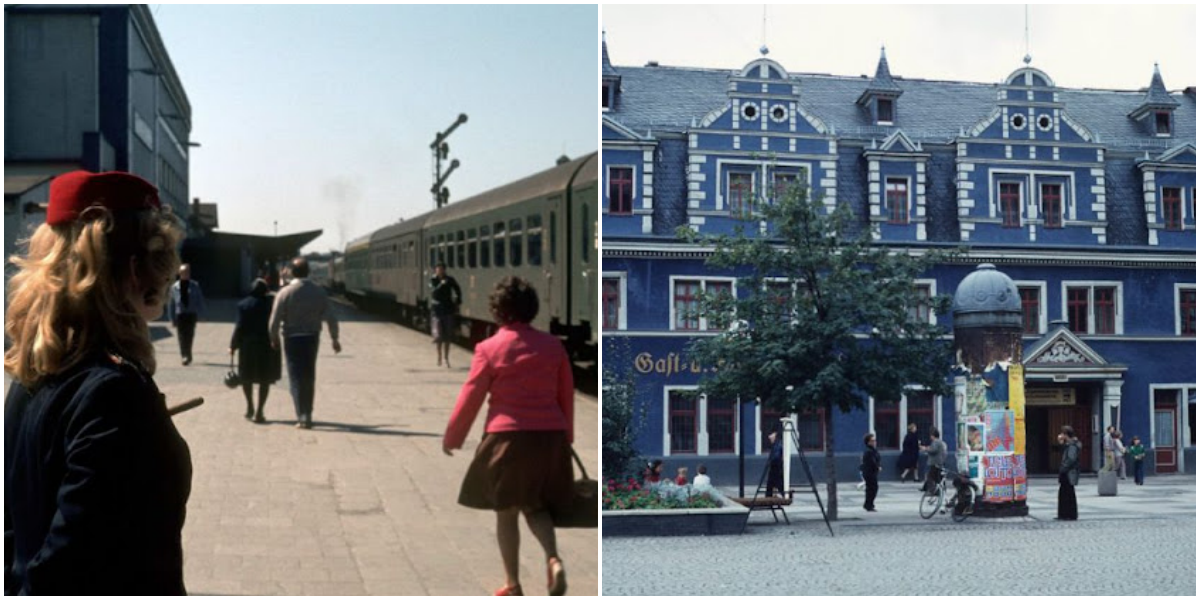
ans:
(300, 307)
(937, 457)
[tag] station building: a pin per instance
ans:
(1086, 198)
(88, 87)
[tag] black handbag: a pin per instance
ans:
(584, 510)
(232, 379)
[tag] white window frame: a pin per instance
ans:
(797, 174)
(1062, 202)
(903, 408)
(666, 399)
(1022, 199)
(704, 280)
(932, 283)
(1179, 287)
(607, 92)
(879, 121)
(1183, 431)
(908, 200)
(752, 195)
(623, 312)
(633, 197)
(1043, 318)
(1118, 318)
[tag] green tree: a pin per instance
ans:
(620, 417)
(822, 318)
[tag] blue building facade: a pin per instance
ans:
(1085, 198)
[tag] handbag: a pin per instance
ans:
(583, 511)
(232, 379)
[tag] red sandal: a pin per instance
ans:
(509, 590)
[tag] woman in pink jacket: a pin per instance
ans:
(523, 464)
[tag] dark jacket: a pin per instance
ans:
(870, 463)
(444, 295)
(1070, 461)
(257, 361)
(910, 451)
(96, 484)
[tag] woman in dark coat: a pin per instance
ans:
(910, 453)
(871, 466)
(257, 362)
(96, 475)
(1068, 475)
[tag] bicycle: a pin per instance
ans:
(960, 501)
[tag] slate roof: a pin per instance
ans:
(1156, 94)
(883, 82)
(671, 98)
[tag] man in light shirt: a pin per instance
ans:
(300, 307)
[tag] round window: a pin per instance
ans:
(750, 111)
(778, 113)
(1018, 121)
(1044, 122)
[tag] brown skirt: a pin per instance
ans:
(520, 469)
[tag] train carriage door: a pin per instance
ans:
(552, 279)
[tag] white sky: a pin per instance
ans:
(1108, 47)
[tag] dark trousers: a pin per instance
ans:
(1138, 471)
(186, 324)
(872, 490)
(301, 353)
(775, 479)
(1067, 507)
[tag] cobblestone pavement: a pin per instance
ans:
(363, 503)
(894, 552)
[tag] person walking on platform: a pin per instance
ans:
(96, 477)
(445, 297)
(300, 307)
(1068, 475)
(186, 306)
(258, 362)
(523, 464)
(871, 466)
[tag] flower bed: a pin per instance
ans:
(664, 508)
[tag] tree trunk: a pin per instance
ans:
(830, 464)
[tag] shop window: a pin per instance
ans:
(1010, 204)
(682, 421)
(620, 190)
(897, 201)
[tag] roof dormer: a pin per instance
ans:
(879, 99)
(610, 80)
(1156, 113)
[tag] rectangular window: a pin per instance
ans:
(722, 426)
(611, 291)
(498, 244)
(1052, 205)
(485, 246)
(461, 250)
(1162, 123)
(620, 190)
(920, 411)
(1077, 309)
(687, 305)
(429, 243)
(604, 97)
(472, 249)
(1172, 198)
(779, 294)
(553, 238)
(1187, 312)
(885, 110)
(920, 310)
(682, 421)
(810, 427)
(533, 228)
(1010, 204)
(1031, 309)
(741, 191)
(897, 201)
(718, 289)
(887, 424)
(783, 183)
(1105, 309)
(514, 241)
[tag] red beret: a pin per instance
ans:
(72, 193)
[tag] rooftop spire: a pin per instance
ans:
(1158, 94)
(882, 84)
(606, 64)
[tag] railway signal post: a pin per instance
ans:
(441, 150)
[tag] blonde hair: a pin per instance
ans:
(70, 296)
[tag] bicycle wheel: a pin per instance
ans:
(964, 506)
(931, 501)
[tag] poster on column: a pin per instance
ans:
(995, 381)
(1019, 436)
(1016, 390)
(976, 401)
(998, 471)
(1000, 427)
(1020, 479)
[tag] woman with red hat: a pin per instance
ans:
(96, 475)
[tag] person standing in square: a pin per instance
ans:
(186, 306)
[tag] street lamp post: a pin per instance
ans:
(441, 150)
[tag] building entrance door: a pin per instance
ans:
(1042, 425)
(1166, 440)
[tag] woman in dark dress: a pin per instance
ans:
(257, 361)
(96, 476)
(909, 453)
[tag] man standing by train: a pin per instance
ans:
(301, 306)
(444, 297)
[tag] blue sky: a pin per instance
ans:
(321, 117)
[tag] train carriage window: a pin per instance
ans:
(585, 237)
(498, 244)
(462, 250)
(432, 251)
(553, 238)
(533, 226)
(514, 242)
(471, 244)
(485, 246)
(441, 249)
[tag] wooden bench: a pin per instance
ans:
(771, 503)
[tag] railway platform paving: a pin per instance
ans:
(365, 501)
